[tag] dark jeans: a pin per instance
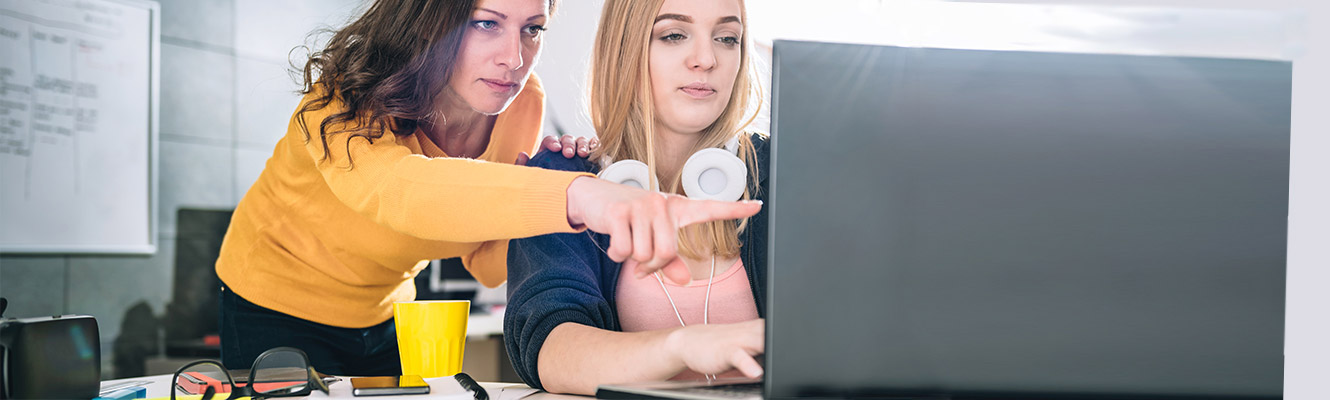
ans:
(248, 330)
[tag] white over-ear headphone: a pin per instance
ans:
(712, 174)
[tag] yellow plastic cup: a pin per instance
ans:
(431, 336)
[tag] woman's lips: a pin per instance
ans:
(500, 86)
(698, 90)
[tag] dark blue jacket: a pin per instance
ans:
(567, 277)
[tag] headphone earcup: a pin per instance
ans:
(714, 174)
(629, 172)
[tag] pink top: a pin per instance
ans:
(642, 306)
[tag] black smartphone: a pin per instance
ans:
(389, 385)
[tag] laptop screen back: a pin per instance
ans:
(1006, 223)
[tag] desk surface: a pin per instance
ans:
(159, 386)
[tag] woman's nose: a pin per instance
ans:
(510, 53)
(703, 56)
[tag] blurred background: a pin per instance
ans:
(227, 92)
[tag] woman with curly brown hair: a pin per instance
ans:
(402, 151)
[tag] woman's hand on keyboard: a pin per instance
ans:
(717, 348)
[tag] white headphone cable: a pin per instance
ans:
(706, 303)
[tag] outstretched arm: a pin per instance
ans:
(577, 358)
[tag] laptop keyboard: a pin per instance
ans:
(735, 391)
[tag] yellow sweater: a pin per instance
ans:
(337, 246)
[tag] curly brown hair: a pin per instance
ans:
(387, 68)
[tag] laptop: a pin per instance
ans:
(967, 223)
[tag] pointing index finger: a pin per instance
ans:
(689, 211)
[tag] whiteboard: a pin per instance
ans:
(78, 125)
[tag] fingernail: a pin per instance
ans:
(758, 202)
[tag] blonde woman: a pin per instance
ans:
(670, 79)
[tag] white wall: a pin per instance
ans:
(226, 98)
(563, 65)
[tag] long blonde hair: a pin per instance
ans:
(623, 114)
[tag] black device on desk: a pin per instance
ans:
(389, 385)
(1023, 224)
(49, 357)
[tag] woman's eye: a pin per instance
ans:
(673, 37)
(534, 30)
(728, 40)
(485, 25)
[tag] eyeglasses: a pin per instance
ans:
(279, 372)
